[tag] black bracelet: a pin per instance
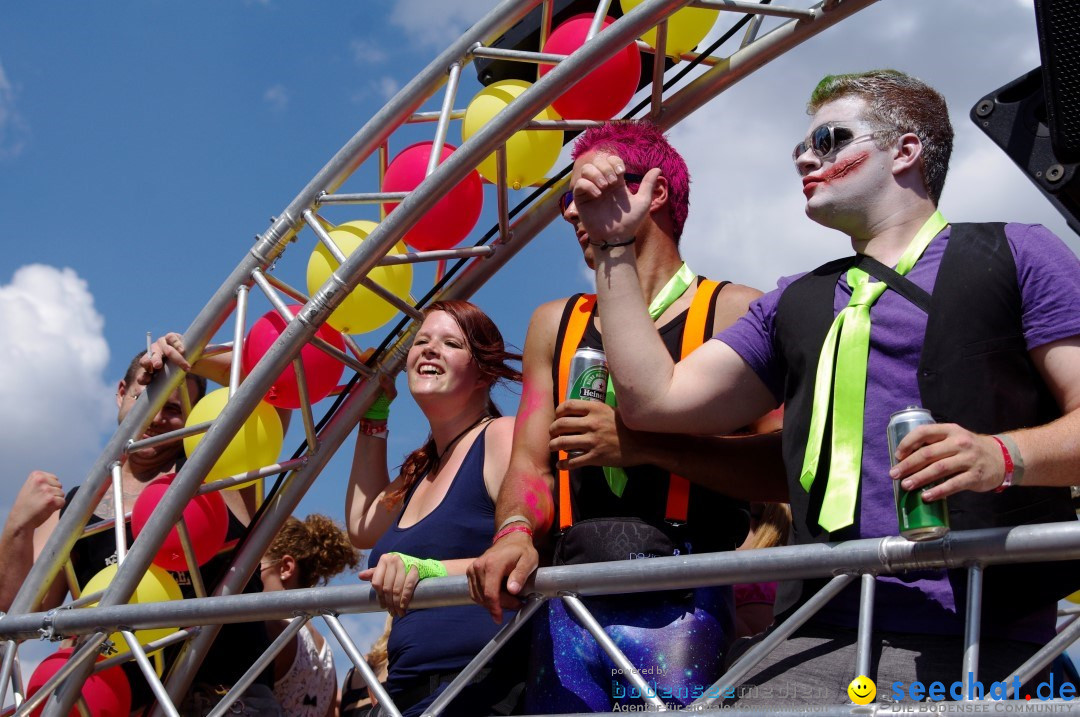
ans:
(605, 245)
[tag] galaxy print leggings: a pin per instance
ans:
(675, 640)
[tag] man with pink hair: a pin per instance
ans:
(623, 494)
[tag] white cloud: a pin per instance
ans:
(277, 97)
(365, 51)
(380, 88)
(54, 401)
(14, 130)
(434, 23)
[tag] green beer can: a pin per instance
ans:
(918, 520)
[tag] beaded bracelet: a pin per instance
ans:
(374, 429)
(515, 528)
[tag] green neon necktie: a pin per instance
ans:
(673, 289)
(847, 346)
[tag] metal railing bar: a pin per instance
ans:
(171, 639)
(972, 626)
(375, 687)
(239, 328)
(449, 93)
(395, 301)
(305, 405)
(608, 646)
(194, 572)
(6, 670)
(414, 257)
(497, 53)
(287, 635)
(170, 437)
(232, 481)
(752, 30)
(119, 527)
(598, 19)
(772, 640)
(753, 8)
(657, 94)
(148, 672)
(1029, 543)
(501, 194)
(866, 624)
(264, 283)
(1043, 657)
(360, 198)
(532, 604)
(424, 117)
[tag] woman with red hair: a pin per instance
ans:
(439, 513)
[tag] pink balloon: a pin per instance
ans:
(206, 517)
(107, 693)
(452, 217)
(606, 90)
(321, 370)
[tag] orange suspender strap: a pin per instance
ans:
(575, 330)
(697, 323)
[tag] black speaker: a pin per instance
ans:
(1016, 118)
(1058, 23)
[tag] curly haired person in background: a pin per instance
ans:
(305, 554)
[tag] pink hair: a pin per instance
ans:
(642, 146)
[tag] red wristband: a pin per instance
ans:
(1007, 481)
(513, 528)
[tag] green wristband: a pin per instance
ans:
(380, 410)
(429, 568)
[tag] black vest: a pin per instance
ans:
(974, 371)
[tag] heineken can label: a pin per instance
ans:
(588, 376)
(918, 520)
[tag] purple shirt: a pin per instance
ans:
(1048, 274)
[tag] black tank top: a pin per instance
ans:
(714, 522)
(237, 645)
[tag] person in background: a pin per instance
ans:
(40, 503)
(356, 699)
(769, 527)
(302, 555)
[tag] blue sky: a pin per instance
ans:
(143, 144)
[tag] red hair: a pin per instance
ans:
(488, 351)
(643, 146)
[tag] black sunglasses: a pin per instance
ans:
(568, 197)
(826, 140)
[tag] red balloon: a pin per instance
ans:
(107, 693)
(321, 370)
(452, 217)
(605, 91)
(206, 517)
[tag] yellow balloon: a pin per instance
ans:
(257, 443)
(530, 153)
(157, 585)
(362, 310)
(685, 28)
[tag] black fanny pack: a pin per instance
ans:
(604, 540)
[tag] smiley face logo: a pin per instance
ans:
(862, 690)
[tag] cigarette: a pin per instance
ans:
(149, 344)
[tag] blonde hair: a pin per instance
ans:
(772, 527)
